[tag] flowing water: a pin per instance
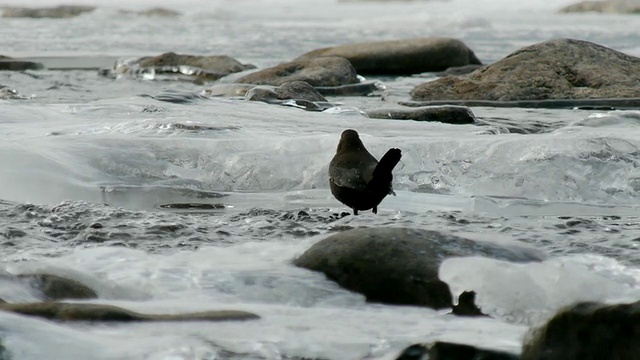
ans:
(90, 171)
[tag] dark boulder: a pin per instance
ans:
(555, 69)
(399, 265)
(325, 71)
(57, 288)
(445, 114)
(604, 6)
(409, 56)
(587, 331)
(10, 64)
(59, 12)
(98, 312)
(441, 350)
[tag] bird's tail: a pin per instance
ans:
(382, 173)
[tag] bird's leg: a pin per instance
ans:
(375, 210)
(355, 211)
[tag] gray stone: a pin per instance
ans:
(298, 90)
(324, 71)
(604, 6)
(399, 265)
(99, 312)
(59, 12)
(216, 63)
(587, 331)
(555, 69)
(445, 114)
(155, 11)
(409, 56)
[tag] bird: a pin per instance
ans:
(356, 178)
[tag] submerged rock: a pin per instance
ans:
(57, 288)
(587, 331)
(604, 6)
(98, 312)
(441, 350)
(60, 12)
(409, 56)
(193, 67)
(155, 11)
(399, 265)
(279, 96)
(445, 114)
(324, 71)
(555, 69)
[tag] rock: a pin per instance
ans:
(359, 89)
(459, 70)
(298, 90)
(191, 67)
(579, 104)
(604, 6)
(467, 305)
(441, 350)
(59, 12)
(216, 63)
(278, 96)
(156, 11)
(587, 331)
(325, 71)
(57, 288)
(555, 69)
(7, 93)
(99, 312)
(19, 65)
(446, 114)
(402, 57)
(399, 265)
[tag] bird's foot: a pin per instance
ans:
(375, 210)
(355, 212)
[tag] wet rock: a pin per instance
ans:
(7, 93)
(57, 288)
(467, 305)
(297, 94)
(216, 63)
(587, 331)
(298, 90)
(359, 89)
(155, 11)
(575, 104)
(410, 56)
(441, 350)
(555, 69)
(445, 114)
(459, 70)
(9, 64)
(59, 12)
(399, 265)
(191, 67)
(604, 6)
(98, 312)
(324, 71)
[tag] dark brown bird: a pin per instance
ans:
(356, 178)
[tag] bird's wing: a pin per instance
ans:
(347, 177)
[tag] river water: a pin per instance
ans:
(90, 169)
